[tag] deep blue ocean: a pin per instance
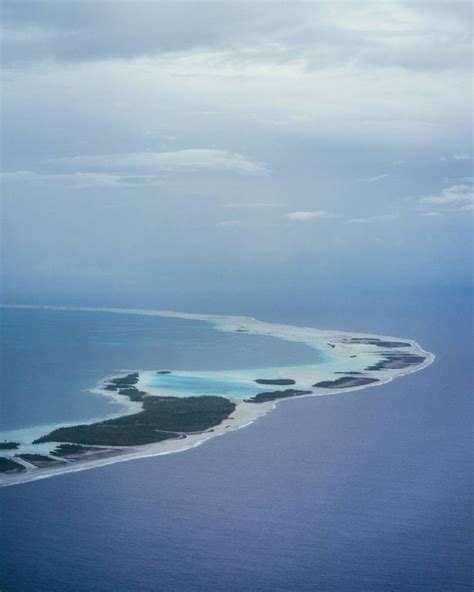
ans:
(364, 492)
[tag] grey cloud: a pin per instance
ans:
(372, 219)
(189, 160)
(288, 105)
(253, 205)
(460, 196)
(88, 30)
(80, 179)
(358, 221)
(457, 156)
(375, 178)
(229, 223)
(137, 169)
(322, 34)
(306, 216)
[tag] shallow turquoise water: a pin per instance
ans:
(188, 384)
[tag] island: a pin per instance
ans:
(275, 381)
(125, 385)
(9, 445)
(395, 361)
(345, 382)
(274, 395)
(7, 465)
(72, 449)
(114, 384)
(377, 342)
(162, 418)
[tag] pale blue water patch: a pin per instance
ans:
(194, 385)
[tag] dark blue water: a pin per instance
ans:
(49, 359)
(368, 492)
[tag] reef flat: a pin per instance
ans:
(37, 460)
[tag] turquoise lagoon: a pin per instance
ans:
(187, 384)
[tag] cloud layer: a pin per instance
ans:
(209, 143)
(306, 216)
(389, 34)
(190, 160)
(457, 196)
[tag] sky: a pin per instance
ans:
(166, 154)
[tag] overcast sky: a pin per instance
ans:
(155, 149)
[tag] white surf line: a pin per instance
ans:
(245, 413)
(225, 322)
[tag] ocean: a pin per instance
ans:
(362, 492)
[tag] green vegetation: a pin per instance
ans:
(162, 418)
(8, 445)
(65, 449)
(9, 466)
(378, 342)
(274, 395)
(114, 384)
(132, 393)
(187, 414)
(396, 362)
(35, 458)
(125, 385)
(104, 434)
(345, 382)
(275, 381)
